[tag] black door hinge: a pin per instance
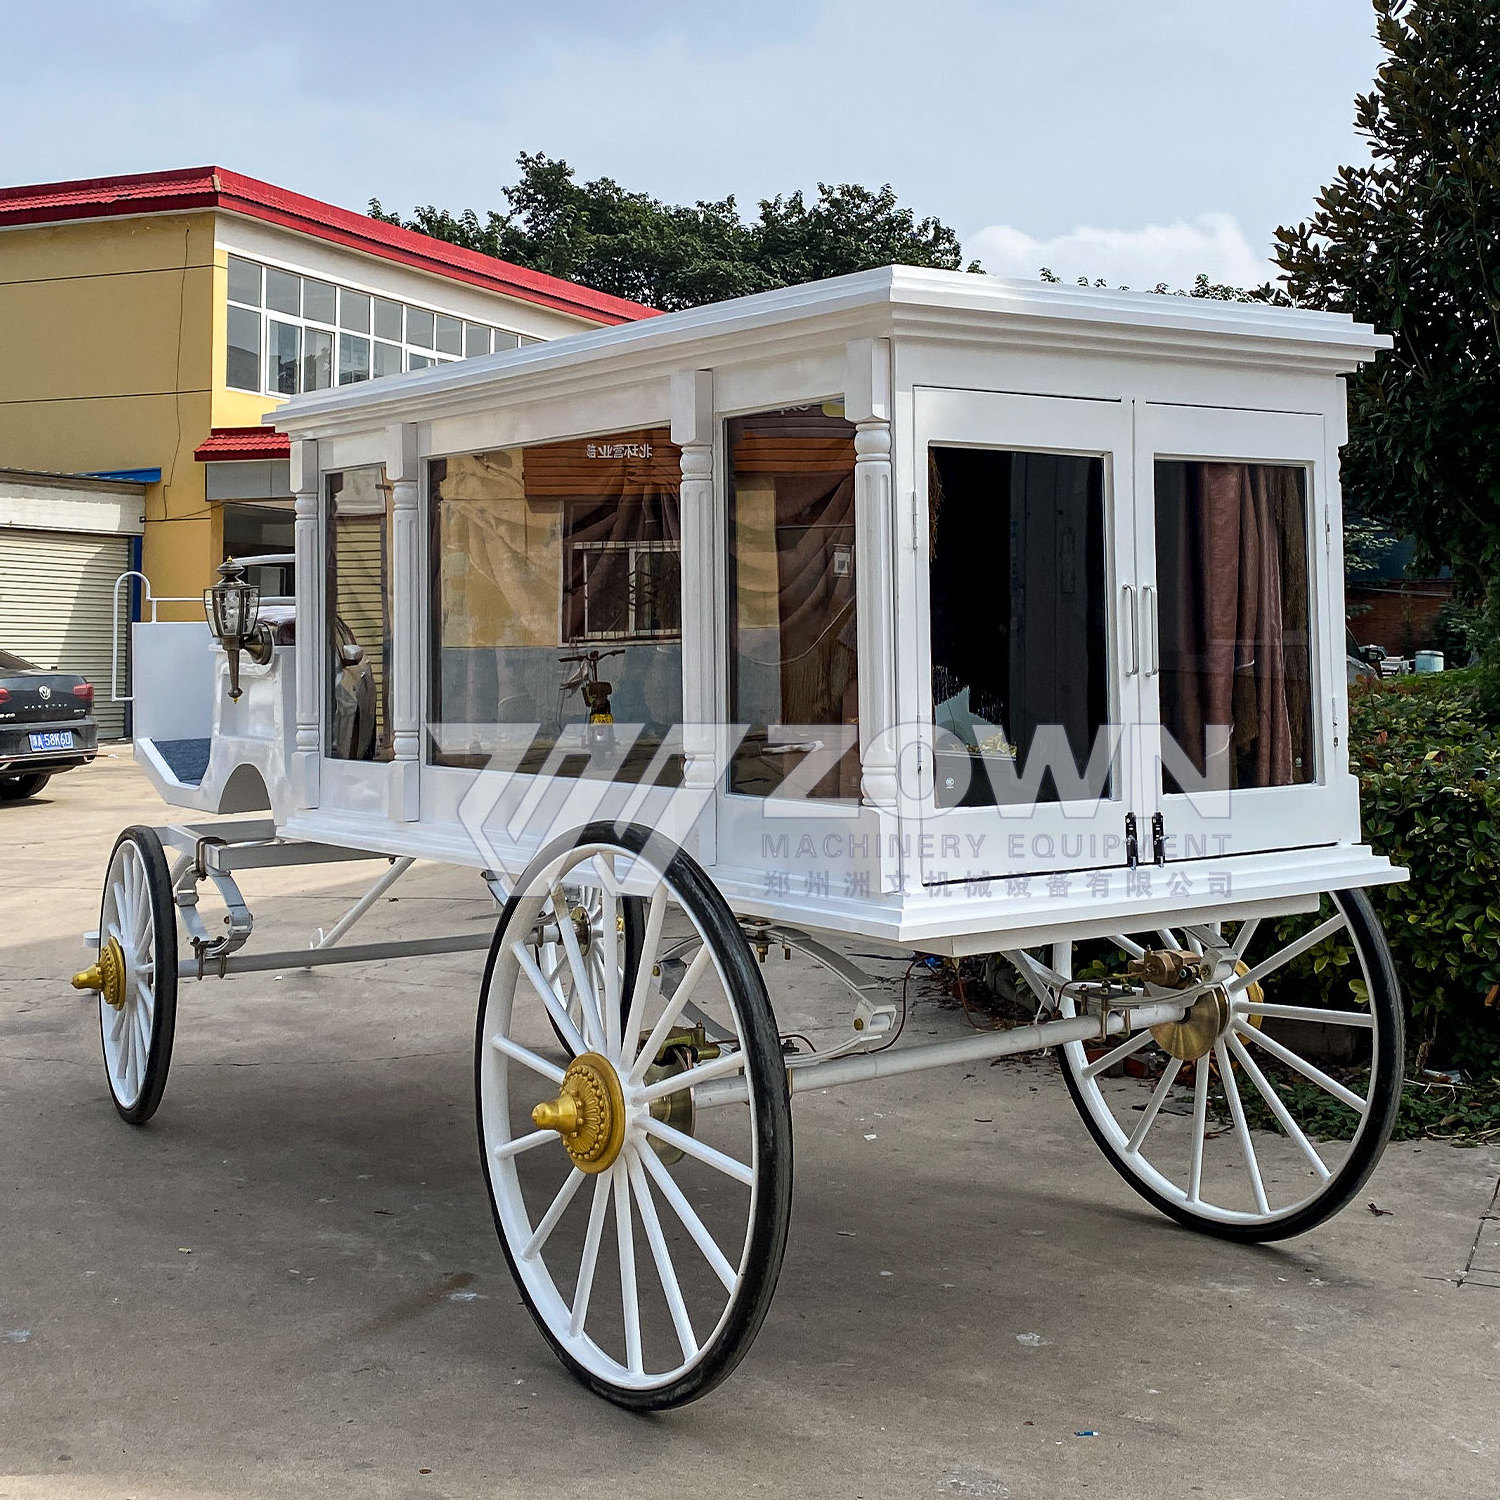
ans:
(1158, 839)
(1132, 843)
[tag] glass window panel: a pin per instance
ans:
(359, 614)
(387, 360)
(504, 340)
(450, 335)
(354, 359)
(1232, 575)
(284, 354)
(523, 339)
(318, 300)
(387, 320)
(242, 367)
(476, 340)
(244, 281)
(317, 360)
(417, 361)
(1019, 634)
(794, 672)
(283, 292)
(557, 600)
(354, 310)
(419, 330)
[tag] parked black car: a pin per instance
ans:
(46, 725)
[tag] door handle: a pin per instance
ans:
(1153, 653)
(1132, 638)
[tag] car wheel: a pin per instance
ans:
(16, 788)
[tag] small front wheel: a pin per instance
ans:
(136, 975)
(662, 1108)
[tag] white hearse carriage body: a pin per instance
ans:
(968, 615)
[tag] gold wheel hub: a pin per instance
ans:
(1194, 1035)
(589, 1113)
(107, 977)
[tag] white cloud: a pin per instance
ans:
(1140, 258)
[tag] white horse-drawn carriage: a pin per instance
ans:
(958, 615)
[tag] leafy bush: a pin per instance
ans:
(1428, 760)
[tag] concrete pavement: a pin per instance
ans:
(288, 1284)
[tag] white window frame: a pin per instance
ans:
(413, 356)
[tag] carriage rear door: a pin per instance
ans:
(1232, 543)
(1033, 606)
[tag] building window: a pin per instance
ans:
(282, 330)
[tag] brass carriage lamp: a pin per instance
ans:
(232, 608)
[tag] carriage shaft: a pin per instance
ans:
(983, 1047)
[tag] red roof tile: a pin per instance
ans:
(243, 443)
(214, 187)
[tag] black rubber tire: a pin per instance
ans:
(164, 988)
(1374, 1130)
(766, 1072)
(18, 788)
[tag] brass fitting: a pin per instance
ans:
(107, 977)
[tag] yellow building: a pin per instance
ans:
(149, 321)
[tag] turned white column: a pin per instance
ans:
(702, 698)
(404, 669)
(309, 583)
(867, 403)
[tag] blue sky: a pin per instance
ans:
(1140, 141)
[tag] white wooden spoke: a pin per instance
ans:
(716, 1067)
(630, 1302)
(528, 1142)
(590, 1260)
(708, 1155)
(665, 1270)
(1200, 1131)
(550, 998)
(142, 1023)
(650, 946)
(608, 949)
(144, 997)
(1241, 1129)
(689, 1218)
(1284, 956)
(565, 1195)
(1274, 1104)
(603, 866)
(1168, 938)
(1305, 1068)
(116, 1025)
(1124, 943)
(1119, 1054)
(527, 1058)
(1243, 937)
(1153, 1107)
(670, 1013)
(588, 1003)
(1360, 1018)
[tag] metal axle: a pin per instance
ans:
(983, 1047)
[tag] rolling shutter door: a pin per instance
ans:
(57, 607)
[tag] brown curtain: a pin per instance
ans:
(1242, 583)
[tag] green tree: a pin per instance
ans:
(633, 245)
(1411, 243)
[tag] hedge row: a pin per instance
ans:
(1428, 760)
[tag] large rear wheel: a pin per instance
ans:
(639, 1168)
(1267, 1108)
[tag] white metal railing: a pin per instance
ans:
(115, 695)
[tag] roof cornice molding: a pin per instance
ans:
(893, 301)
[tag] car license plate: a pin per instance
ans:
(56, 739)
